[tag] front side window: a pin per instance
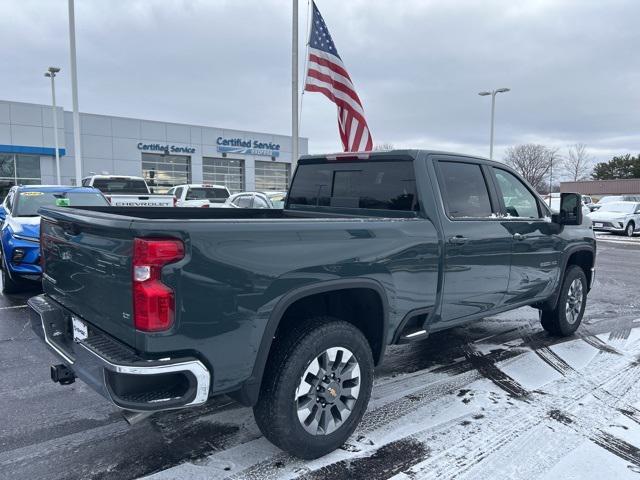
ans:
(465, 190)
(518, 199)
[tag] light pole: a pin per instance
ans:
(493, 111)
(51, 73)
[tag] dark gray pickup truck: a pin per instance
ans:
(289, 310)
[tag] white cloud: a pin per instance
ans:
(417, 64)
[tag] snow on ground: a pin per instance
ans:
(550, 409)
(496, 399)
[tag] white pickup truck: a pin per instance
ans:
(127, 191)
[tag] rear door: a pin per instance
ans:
(477, 250)
(535, 260)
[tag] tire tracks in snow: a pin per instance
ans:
(459, 456)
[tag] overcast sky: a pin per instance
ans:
(573, 67)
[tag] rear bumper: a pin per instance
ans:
(114, 370)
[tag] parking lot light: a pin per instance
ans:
(493, 109)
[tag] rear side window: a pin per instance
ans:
(465, 191)
(371, 185)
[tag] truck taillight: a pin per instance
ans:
(153, 301)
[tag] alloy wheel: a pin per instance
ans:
(573, 305)
(328, 390)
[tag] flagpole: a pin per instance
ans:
(294, 86)
(77, 152)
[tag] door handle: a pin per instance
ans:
(458, 240)
(519, 236)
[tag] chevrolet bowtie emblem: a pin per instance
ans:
(332, 391)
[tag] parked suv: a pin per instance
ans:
(289, 310)
(617, 217)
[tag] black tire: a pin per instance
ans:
(10, 285)
(629, 230)
(276, 412)
(566, 317)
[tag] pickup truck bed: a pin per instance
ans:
(161, 308)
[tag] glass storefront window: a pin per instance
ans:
(165, 171)
(222, 171)
(18, 170)
(272, 176)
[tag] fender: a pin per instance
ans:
(552, 301)
(250, 390)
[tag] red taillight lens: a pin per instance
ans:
(206, 205)
(153, 301)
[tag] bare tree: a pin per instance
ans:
(383, 147)
(533, 162)
(577, 164)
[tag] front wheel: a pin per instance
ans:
(316, 387)
(629, 230)
(566, 317)
(9, 285)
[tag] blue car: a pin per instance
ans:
(20, 234)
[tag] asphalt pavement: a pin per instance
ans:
(498, 398)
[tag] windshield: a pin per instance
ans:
(28, 203)
(620, 207)
(121, 185)
(609, 200)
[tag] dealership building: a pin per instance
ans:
(164, 153)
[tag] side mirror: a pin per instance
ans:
(570, 209)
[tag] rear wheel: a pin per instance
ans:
(629, 230)
(566, 317)
(316, 387)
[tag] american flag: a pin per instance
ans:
(327, 74)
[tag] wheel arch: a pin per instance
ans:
(303, 297)
(582, 255)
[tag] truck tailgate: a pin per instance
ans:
(87, 268)
(140, 200)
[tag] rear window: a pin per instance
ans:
(372, 185)
(121, 185)
(207, 193)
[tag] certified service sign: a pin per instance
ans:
(247, 147)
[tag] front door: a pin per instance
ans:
(535, 261)
(477, 250)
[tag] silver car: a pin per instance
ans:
(256, 200)
(617, 217)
